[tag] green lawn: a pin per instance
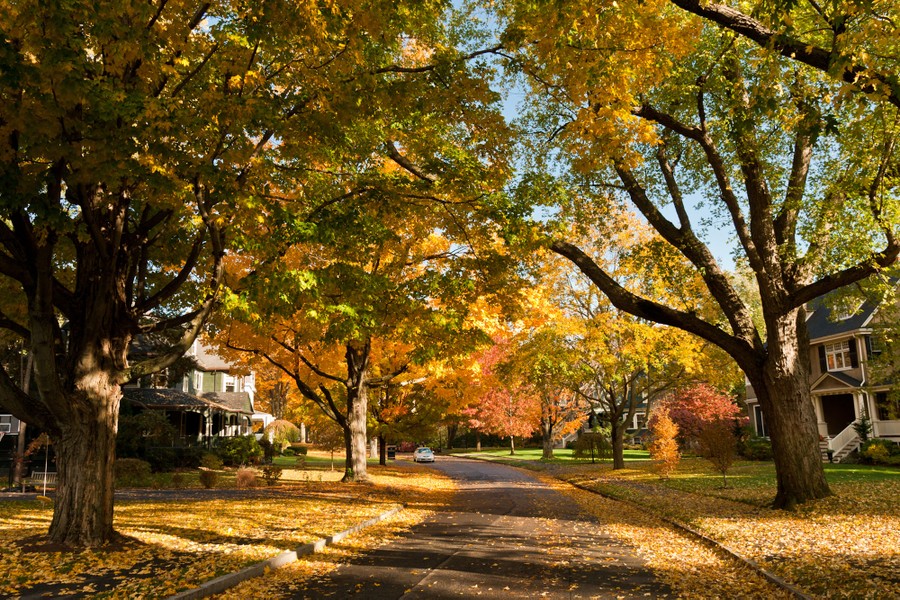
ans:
(561, 456)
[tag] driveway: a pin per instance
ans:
(505, 535)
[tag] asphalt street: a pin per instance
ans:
(505, 535)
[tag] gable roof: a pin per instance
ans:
(822, 324)
(208, 360)
(835, 380)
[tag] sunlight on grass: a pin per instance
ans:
(178, 544)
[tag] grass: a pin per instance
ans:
(560, 456)
(844, 546)
(173, 545)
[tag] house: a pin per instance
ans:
(843, 387)
(211, 399)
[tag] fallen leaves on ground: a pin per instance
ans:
(844, 546)
(178, 544)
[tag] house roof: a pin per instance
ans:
(836, 380)
(234, 401)
(208, 360)
(822, 324)
(166, 398)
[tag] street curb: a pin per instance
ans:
(771, 577)
(229, 580)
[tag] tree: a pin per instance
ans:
(664, 447)
(282, 434)
(696, 407)
(133, 139)
(738, 126)
(718, 444)
(851, 41)
(540, 359)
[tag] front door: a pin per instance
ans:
(838, 411)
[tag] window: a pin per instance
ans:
(760, 422)
(230, 383)
(837, 356)
(198, 381)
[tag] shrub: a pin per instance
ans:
(282, 433)
(594, 444)
(132, 472)
(245, 478)
(211, 461)
(241, 450)
(755, 449)
(271, 473)
(188, 457)
(718, 445)
(664, 447)
(208, 478)
(876, 454)
(301, 450)
(160, 459)
(289, 452)
(178, 480)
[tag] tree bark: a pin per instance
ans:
(382, 450)
(782, 388)
(357, 411)
(547, 440)
(512, 445)
(617, 437)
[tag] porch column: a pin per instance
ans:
(820, 416)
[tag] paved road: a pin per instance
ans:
(506, 535)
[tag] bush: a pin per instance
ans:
(178, 480)
(241, 450)
(160, 459)
(876, 454)
(245, 478)
(211, 461)
(188, 457)
(879, 451)
(132, 472)
(282, 433)
(208, 478)
(301, 450)
(271, 473)
(289, 452)
(755, 449)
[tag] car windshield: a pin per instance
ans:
(423, 450)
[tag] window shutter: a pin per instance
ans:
(823, 364)
(869, 352)
(854, 353)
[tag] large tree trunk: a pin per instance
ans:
(382, 450)
(547, 440)
(357, 411)
(782, 388)
(85, 459)
(512, 445)
(617, 437)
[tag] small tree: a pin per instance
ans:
(718, 445)
(282, 433)
(664, 447)
(595, 443)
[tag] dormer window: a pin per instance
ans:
(837, 356)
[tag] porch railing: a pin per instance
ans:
(886, 428)
(837, 443)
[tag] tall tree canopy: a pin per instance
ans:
(657, 108)
(138, 143)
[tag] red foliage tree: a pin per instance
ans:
(695, 407)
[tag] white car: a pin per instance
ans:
(423, 455)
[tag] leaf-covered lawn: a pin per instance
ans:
(178, 543)
(845, 546)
